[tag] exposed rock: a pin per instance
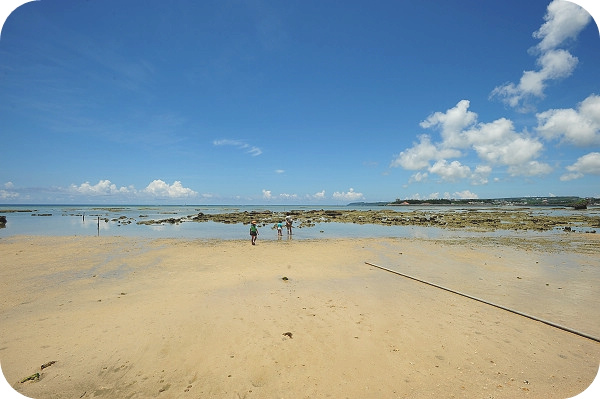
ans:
(480, 220)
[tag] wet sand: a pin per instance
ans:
(174, 318)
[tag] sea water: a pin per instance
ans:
(121, 220)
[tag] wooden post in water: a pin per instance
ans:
(98, 226)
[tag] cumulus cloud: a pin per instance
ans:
(466, 194)
(514, 149)
(159, 188)
(103, 187)
(239, 144)
(319, 195)
(530, 168)
(495, 144)
(480, 175)
(418, 177)
(420, 156)
(9, 193)
(286, 196)
(451, 123)
(450, 172)
(571, 176)
(269, 196)
(564, 21)
(587, 164)
(555, 64)
(580, 127)
(351, 195)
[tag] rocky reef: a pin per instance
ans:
(482, 220)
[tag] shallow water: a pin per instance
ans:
(57, 220)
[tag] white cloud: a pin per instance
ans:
(419, 156)
(286, 196)
(451, 123)
(319, 195)
(351, 195)
(109, 191)
(517, 151)
(254, 151)
(480, 175)
(416, 196)
(159, 188)
(580, 127)
(466, 194)
(571, 176)
(530, 168)
(555, 64)
(418, 177)
(498, 131)
(495, 143)
(564, 20)
(451, 172)
(249, 149)
(8, 195)
(587, 164)
(103, 187)
(279, 171)
(269, 196)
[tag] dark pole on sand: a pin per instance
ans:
(98, 226)
(492, 304)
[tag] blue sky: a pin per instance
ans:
(299, 102)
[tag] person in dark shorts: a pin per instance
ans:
(253, 232)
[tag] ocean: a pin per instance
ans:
(122, 220)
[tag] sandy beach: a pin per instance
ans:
(179, 318)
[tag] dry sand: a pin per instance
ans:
(141, 318)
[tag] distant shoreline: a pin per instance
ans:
(562, 201)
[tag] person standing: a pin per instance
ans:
(288, 224)
(279, 229)
(253, 232)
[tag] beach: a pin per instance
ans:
(136, 317)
